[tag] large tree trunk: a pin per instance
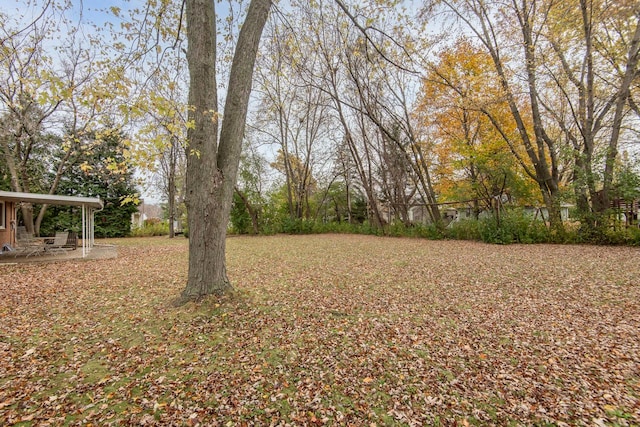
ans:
(14, 175)
(211, 167)
(61, 169)
(206, 263)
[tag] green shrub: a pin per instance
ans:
(604, 228)
(633, 236)
(397, 229)
(425, 231)
(239, 217)
(514, 226)
(367, 228)
(430, 231)
(303, 226)
(467, 229)
(297, 226)
(151, 229)
(335, 227)
(609, 236)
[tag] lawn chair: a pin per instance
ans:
(28, 245)
(59, 243)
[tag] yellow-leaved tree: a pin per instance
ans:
(473, 163)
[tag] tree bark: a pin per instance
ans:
(171, 185)
(253, 213)
(60, 170)
(14, 174)
(212, 167)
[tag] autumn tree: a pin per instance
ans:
(495, 26)
(382, 96)
(299, 185)
(29, 94)
(104, 170)
(592, 53)
(344, 168)
(170, 171)
(333, 42)
(575, 62)
(247, 215)
(161, 137)
(473, 162)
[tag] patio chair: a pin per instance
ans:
(59, 243)
(27, 245)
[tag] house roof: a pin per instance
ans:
(51, 199)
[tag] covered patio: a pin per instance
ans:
(99, 251)
(9, 202)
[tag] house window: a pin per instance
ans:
(3, 216)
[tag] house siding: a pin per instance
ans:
(6, 230)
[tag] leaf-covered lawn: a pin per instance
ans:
(330, 329)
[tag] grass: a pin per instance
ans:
(326, 329)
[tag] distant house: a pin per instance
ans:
(419, 213)
(145, 212)
(543, 212)
(452, 212)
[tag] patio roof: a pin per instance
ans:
(50, 199)
(89, 206)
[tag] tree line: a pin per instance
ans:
(530, 103)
